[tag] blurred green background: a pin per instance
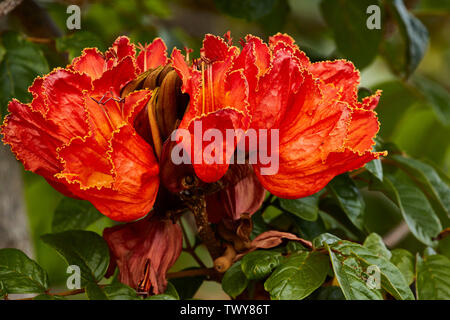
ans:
(414, 110)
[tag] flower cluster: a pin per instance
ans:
(99, 130)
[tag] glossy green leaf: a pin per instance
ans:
(120, 291)
(298, 276)
(348, 21)
(414, 33)
(330, 293)
(171, 290)
(234, 281)
(437, 97)
(392, 279)
(247, 9)
(22, 62)
(326, 238)
(94, 292)
(404, 261)
(390, 112)
(415, 208)
(187, 286)
(427, 177)
(20, 274)
(85, 249)
(75, 43)
(72, 214)
(259, 264)
(352, 281)
(161, 297)
(48, 297)
(433, 278)
(349, 199)
(375, 243)
(305, 208)
(375, 168)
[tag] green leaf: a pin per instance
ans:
(375, 168)
(85, 249)
(415, 208)
(188, 286)
(172, 291)
(349, 274)
(392, 279)
(21, 63)
(234, 281)
(415, 35)
(348, 21)
(437, 96)
(444, 246)
(72, 214)
(330, 293)
(325, 238)
(246, 9)
(94, 292)
(298, 276)
(276, 19)
(75, 43)
(161, 297)
(48, 297)
(2, 290)
(375, 243)
(433, 7)
(427, 177)
(349, 199)
(259, 264)
(390, 112)
(433, 278)
(305, 208)
(404, 261)
(20, 274)
(120, 291)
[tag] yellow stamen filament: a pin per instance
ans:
(203, 87)
(211, 88)
(120, 109)
(107, 117)
(153, 124)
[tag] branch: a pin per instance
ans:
(192, 273)
(198, 208)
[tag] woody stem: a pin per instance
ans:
(204, 229)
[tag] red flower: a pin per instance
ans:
(323, 129)
(78, 134)
(144, 250)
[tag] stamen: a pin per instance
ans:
(100, 103)
(203, 87)
(151, 105)
(211, 87)
(144, 284)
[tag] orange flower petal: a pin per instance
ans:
(92, 62)
(270, 101)
(115, 78)
(134, 180)
(371, 102)
(216, 49)
(296, 180)
(363, 128)
(120, 49)
(342, 74)
(153, 55)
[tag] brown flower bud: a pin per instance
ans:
(161, 116)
